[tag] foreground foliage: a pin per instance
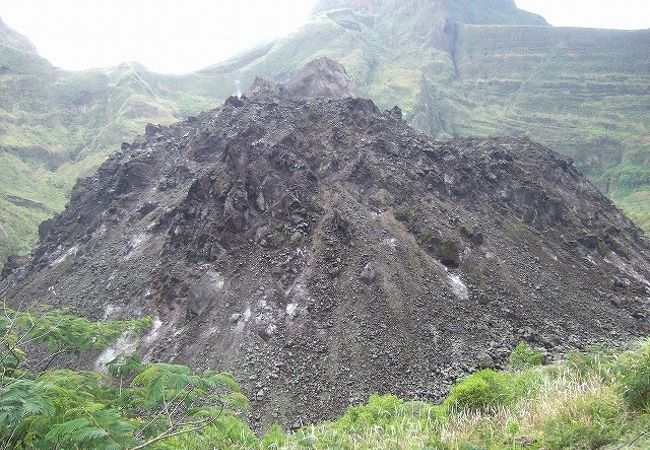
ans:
(133, 406)
(594, 399)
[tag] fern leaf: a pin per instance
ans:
(67, 428)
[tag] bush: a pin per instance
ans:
(45, 408)
(488, 389)
(476, 392)
(378, 412)
(524, 357)
(634, 377)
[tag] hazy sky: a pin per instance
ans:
(178, 36)
(620, 14)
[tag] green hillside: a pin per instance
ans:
(57, 125)
(585, 93)
(455, 68)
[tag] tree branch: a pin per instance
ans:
(47, 365)
(168, 434)
(159, 413)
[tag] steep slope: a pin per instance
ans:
(13, 39)
(322, 250)
(456, 68)
(56, 125)
(456, 72)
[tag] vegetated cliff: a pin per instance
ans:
(323, 250)
(457, 68)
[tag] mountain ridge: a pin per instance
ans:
(464, 11)
(581, 92)
(11, 38)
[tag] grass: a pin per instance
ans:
(595, 399)
(635, 206)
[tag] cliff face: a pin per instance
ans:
(323, 250)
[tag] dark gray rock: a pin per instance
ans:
(484, 360)
(294, 287)
(370, 273)
(322, 78)
(152, 130)
(205, 292)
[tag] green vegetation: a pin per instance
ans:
(580, 92)
(134, 406)
(593, 399)
(524, 357)
(56, 126)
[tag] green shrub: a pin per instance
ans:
(634, 377)
(524, 357)
(602, 247)
(488, 389)
(478, 391)
(378, 412)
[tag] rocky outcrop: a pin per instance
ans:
(321, 78)
(581, 92)
(323, 250)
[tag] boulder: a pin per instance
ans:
(208, 290)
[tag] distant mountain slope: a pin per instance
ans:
(455, 68)
(11, 38)
(55, 125)
(465, 11)
(585, 93)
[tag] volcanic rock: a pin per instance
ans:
(321, 78)
(322, 251)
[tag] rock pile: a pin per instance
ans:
(323, 250)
